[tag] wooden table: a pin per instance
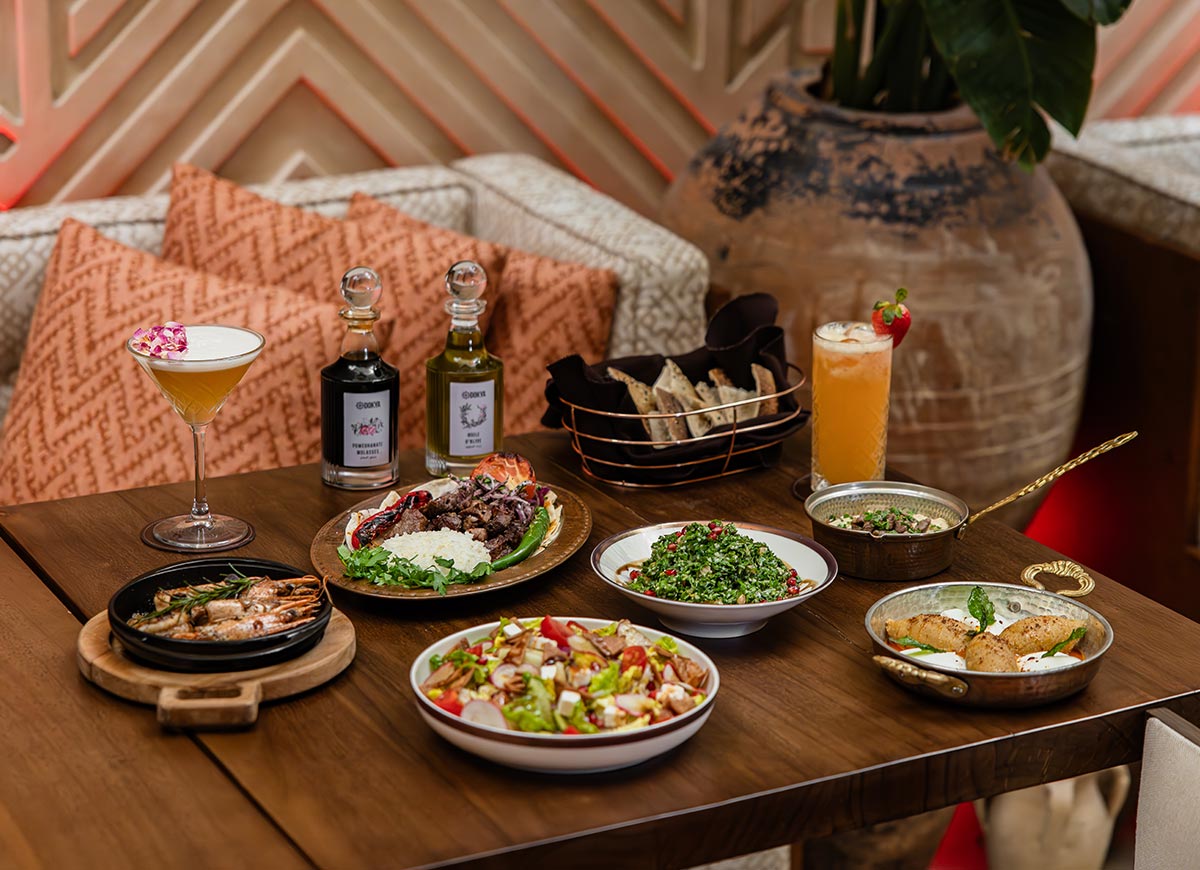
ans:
(807, 738)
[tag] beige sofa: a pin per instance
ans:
(510, 198)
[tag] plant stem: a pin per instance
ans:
(847, 47)
(935, 95)
(872, 79)
(904, 72)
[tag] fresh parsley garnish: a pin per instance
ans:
(381, 567)
(907, 642)
(980, 606)
(1058, 647)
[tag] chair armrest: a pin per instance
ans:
(523, 202)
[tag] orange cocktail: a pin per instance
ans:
(851, 390)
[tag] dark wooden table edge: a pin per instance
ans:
(830, 795)
(8, 539)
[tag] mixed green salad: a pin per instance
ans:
(714, 563)
(547, 675)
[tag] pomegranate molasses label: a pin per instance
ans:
(366, 441)
(471, 425)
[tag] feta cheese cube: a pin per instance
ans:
(512, 630)
(567, 701)
(613, 716)
(669, 691)
(549, 672)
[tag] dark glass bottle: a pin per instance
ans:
(464, 384)
(360, 396)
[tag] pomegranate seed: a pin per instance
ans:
(679, 534)
(650, 592)
(633, 575)
(672, 548)
(792, 572)
(670, 572)
(714, 525)
(712, 536)
(793, 591)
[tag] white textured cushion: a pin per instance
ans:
(1142, 175)
(433, 194)
(1168, 798)
(523, 202)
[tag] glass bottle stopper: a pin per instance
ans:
(466, 282)
(362, 289)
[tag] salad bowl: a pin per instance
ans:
(615, 556)
(560, 753)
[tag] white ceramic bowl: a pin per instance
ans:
(561, 753)
(810, 559)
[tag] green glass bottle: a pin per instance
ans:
(464, 384)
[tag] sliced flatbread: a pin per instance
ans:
(668, 403)
(708, 395)
(643, 400)
(673, 380)
(764, 382)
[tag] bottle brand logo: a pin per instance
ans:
(362, 406)
(474, 394)
(469, 418)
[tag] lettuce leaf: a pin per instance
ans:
(532, 710)
(605, 682)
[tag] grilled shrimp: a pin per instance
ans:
(281, 588)
(254, 625)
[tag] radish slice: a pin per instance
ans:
(579, 643)
(635, 704)
(484, 713)
(503, 674)
(525, 669)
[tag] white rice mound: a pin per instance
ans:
(421, 548)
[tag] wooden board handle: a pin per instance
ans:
(228, 706)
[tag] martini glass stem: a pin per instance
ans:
(200, 500)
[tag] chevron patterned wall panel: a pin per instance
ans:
(99, 97)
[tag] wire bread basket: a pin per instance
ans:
(732, 449)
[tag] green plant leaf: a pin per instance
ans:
(980, 606)
(1014, 59)
(1058, 647)
(1097, 11)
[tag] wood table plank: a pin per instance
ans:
(807, 736)
(89, 780)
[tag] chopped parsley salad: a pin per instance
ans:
(558, 677)
(714, 563)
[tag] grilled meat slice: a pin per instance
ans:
(451, 502)
(411, 520)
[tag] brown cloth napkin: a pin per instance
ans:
(742, 332)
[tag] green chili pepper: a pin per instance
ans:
(530, 542)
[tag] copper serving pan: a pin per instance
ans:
(880, 555)
(995, 690)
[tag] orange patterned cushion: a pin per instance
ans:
(543, 310)
(215, 226)
(85, 418)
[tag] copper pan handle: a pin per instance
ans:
(943, 684)
(1060, 568)
(1050, 477)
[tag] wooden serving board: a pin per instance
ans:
(217, 700)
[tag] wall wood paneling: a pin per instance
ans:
(100, 96)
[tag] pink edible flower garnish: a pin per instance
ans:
(168, 341)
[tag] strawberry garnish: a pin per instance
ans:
(892, 318)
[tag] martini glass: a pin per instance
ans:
(197, 385)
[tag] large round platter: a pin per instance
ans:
(809, 558)
(562, 753)
(576, 526)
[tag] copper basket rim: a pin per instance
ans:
(570, 423)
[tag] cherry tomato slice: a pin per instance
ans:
(450, 703)
(633, 656)
(571, 729)
(555, 630)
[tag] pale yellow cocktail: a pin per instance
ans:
(851, 390)
(203, 365)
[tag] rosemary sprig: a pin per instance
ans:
(231, 587)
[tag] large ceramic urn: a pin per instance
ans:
(831, 209)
